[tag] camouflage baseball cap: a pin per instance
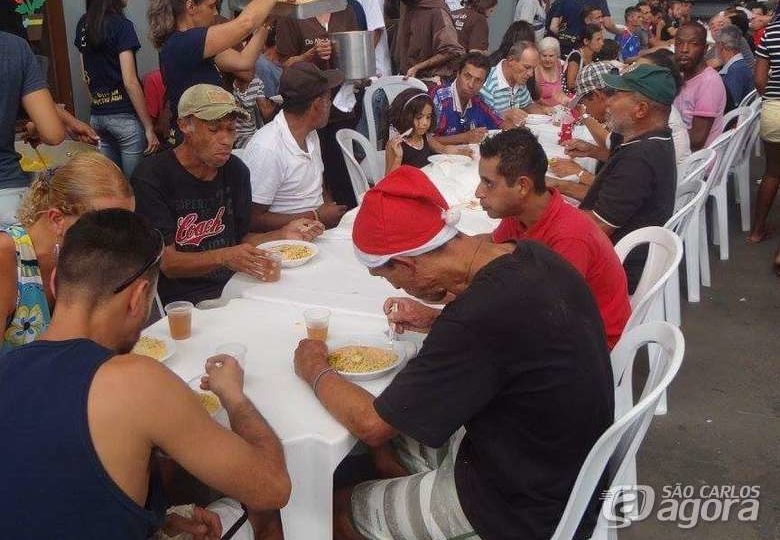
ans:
(590, 79)
(209, 102)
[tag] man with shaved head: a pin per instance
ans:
(702, 100)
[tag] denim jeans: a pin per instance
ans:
(122, 139)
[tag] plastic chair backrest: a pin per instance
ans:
(751, 118)
(720, 146)
(750, 98)
(617, 447)
(358, 177)
(692, 191)
(663, 258)
(391, 86)
(686, 203)
(720, 172)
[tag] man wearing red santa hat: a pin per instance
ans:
(492, 420)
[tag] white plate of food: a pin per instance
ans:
(210, 402)
(457, 159)
(294, 252)
(368, 357)
(159, 347)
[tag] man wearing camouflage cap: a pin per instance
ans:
(199, 196)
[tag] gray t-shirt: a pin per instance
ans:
(19, 75)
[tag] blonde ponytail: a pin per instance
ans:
(73, 187)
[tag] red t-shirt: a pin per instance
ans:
(154, 93)
(575, 237)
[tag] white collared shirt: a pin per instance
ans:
(727, 65)
(456, 99)
(283, 175)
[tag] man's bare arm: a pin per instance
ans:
(700, 130)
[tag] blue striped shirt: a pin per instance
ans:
(499, 96)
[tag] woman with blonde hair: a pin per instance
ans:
(29, 250)
(195, 50)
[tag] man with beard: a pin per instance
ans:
(82, 417)
(702, 100)
(513, 383)
(635, 188)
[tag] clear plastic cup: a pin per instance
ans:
(274, 271)
(236, 350)
(179, 319)
(317, 320)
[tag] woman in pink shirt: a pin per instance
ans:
(548, 74)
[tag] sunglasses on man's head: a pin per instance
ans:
(156, 259)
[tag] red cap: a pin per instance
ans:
(404, 214)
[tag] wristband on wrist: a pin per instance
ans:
(316, 215)
(319, 377)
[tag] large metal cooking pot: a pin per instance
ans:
(354, 54)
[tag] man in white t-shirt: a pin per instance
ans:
(284, 158)
(375, 23)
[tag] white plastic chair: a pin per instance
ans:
(663, 261)
(663, 258)
(684, 222)
(616, 449)
(392, 86)
(741, 166)
(362, 176)
(718, 178)
(693, 168)
(720, 146)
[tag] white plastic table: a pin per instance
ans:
(336, 279)
(314, 442)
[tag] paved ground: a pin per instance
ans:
(723, 425)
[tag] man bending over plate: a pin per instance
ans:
(82, 417)
(489, 425)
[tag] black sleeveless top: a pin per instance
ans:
(414, 157)
(52, 483)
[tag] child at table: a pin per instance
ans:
(411, 124)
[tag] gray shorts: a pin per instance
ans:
(422, 506)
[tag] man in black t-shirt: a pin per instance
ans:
(198, 195)
(513, 383)
(636, 186)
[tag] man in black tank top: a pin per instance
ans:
(81, 416)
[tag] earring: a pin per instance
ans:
(56, 252)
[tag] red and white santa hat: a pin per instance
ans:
(404, 214)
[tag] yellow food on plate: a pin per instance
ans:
(152, 347)
(210, 401)
(29, 164)
(361, 359)
(293, 252)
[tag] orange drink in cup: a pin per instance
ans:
(179, 319)
(317, 320)
(274, 269)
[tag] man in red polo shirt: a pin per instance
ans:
(512, 170)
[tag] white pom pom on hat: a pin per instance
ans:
(451, 216)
